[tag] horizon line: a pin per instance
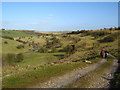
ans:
(59, 30)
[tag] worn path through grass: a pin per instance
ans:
(70, 77)
(99, 78)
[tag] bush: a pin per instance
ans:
(5, 42)
(11, 38)
(61, 50)
(99, 33)
(53, 43)
(109, 38)
(10, 58)
(20, 46)
(42, 50)
(69, 49)
(14, 58)
(78, 32)
(92, 33)
(19, 57)
(53, 50)
(21, 41)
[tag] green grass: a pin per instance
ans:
(39, 40)
(11, 47)
(92, 77)
(42, 74)
(86, 42)
(32, 60)
(39, 58)
(12, 33)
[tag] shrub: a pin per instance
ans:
(53, 50)
(11, 38)
(110, 28)
(78, 32)
(53, 43)
(92, 33)
(10, 58)
(77, 40)
(61, 50)
(14, 58)
(21, 41)
(5, 42)
(98, 33)
(20, 46)
(69, 49)
(29, 44)
(42, 50)
(3, 29)
(109, 38)
(19, 57)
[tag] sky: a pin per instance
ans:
(60, 0)
(59, 16)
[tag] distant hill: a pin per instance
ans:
(14, 33)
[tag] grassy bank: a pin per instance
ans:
(41, 74)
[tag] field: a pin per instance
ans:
(46, 55)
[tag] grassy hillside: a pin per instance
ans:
(38, 40)
(17, 33)
(11, 46)
(57, 54)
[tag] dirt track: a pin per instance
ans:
(62, 81)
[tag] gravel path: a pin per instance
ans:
(61, 81)
(104, 80)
